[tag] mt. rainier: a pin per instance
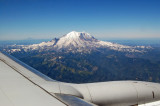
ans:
(80, 41)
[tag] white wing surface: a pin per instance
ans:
(17, 89)
(21, 85)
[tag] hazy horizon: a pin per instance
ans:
(103, 39)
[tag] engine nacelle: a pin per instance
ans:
(120, 93)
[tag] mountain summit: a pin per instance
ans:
(81, 41)
(74, 40)
(76, 35)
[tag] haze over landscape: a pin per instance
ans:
(79, 57)
(84, 40)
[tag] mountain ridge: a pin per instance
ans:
(96, 61)
(81, 41)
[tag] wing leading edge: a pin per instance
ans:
(21, 85)
(17, 90)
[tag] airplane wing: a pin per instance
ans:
(21, 85)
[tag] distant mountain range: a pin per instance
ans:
(79, 42)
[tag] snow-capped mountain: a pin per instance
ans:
(76, 40)
(79, 41)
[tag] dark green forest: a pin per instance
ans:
(94, 66)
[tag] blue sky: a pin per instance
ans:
(104, 19)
